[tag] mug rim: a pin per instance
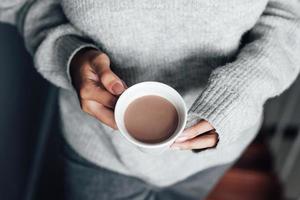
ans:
(132, 139)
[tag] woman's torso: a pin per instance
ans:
(170, 41)
(176, 42)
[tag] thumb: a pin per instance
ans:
(110, 81)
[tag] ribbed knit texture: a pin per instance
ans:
(226, 58)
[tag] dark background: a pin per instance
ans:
(27, 153)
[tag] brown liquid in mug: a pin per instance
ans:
(151, 119)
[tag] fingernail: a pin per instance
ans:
(117, 88)
(181, 139)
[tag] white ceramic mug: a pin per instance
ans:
(144, 89)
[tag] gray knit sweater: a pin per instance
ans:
(226, 58)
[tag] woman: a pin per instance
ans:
(226, 58)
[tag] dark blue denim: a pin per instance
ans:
(84, 180)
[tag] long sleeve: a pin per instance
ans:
(48, 36)
(9, 10)
(265, 66)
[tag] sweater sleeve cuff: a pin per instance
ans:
(68, 47)
(227, 108)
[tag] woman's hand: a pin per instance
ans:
(199, 136)
(96, 85)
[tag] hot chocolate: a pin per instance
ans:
(151, 119)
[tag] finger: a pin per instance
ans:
(200, 142)
(86, 74)
(112, 82)
(91, 91)
(100, 112)
(193, 131)
(108, 78)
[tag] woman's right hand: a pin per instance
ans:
(96, 85)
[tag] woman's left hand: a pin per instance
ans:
(200, 136)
